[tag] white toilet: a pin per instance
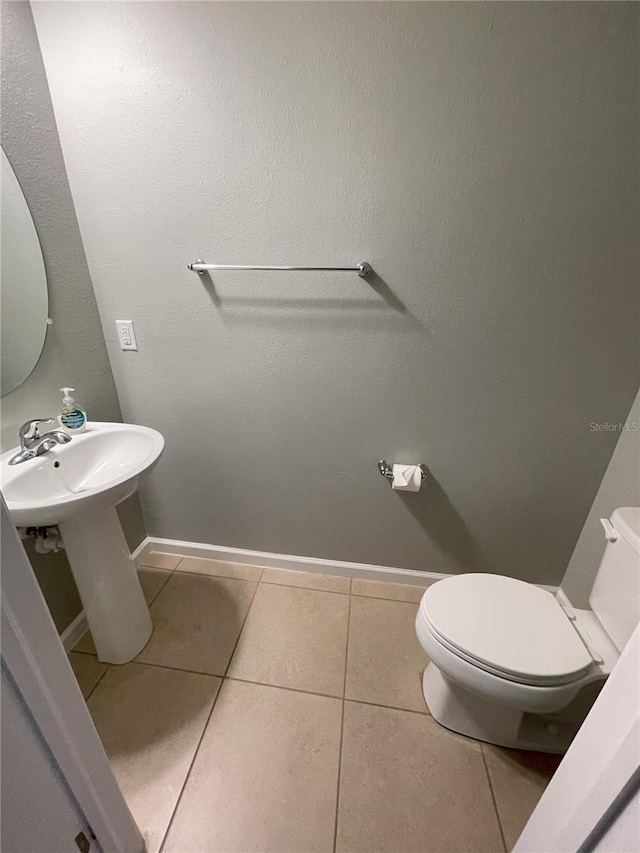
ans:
(514, 665)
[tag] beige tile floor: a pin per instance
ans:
(282, 711)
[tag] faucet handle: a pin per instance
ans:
(29, 430)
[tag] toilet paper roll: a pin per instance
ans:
(406, 478)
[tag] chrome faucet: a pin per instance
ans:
(33, 444)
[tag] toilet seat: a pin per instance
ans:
(509, 628)
(508, 676)
(514, 665)
(505, 691)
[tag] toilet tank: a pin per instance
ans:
(615, 597)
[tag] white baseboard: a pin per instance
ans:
(74, 632)
(143, 547)
(265, 559)
(284, 561)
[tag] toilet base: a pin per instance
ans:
(478, 717)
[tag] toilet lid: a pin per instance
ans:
(510, 626)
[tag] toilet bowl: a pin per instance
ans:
(515, 665)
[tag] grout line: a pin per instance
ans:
(346, 651)
(182, 572)
(267, 684)
(282, 687)
(295, 586)
(162, 586)
(308, 588)
(173, 668)
(344, 691)
(207, 574)
(244, 622)
(263, 683)
(335, 829)
(269, 583)
(493, 796)
(382, 598)
(188, 774)
(204, 729)
(225, 677)
(338, 592)
(164, 583)
(390, 707)
(90, 693)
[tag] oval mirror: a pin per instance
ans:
(23, 286)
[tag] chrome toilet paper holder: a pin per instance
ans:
(387, 470)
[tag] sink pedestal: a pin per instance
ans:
(117, 613)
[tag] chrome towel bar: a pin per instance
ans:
(201, 267)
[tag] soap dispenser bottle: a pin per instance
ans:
(71, 417)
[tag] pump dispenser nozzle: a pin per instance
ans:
(71, 417)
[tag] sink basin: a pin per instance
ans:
(77, 486)
(97, 469)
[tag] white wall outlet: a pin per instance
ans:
(126, 334)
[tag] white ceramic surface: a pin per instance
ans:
(77, 485)
(511, 627)
(493, 641)
(117, 613)
(97, 469)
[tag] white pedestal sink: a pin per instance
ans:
(77, 486)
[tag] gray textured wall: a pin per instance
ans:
(620, 486)
(483, 157)
(74, 352)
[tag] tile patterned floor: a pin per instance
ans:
(282, 711)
